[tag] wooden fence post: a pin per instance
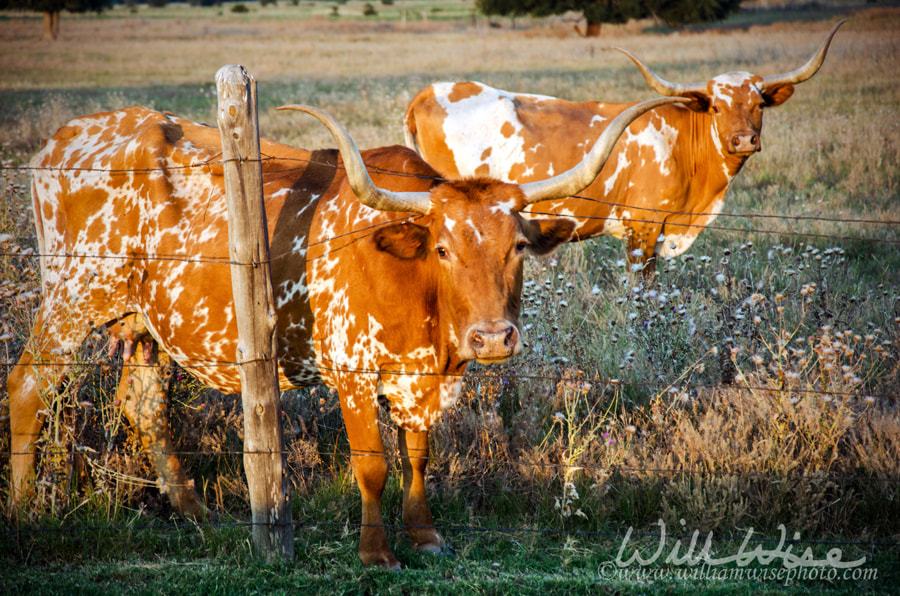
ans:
(248, 240)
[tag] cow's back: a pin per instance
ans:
(471, 129)
(131, 217)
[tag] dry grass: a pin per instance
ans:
(631, 403)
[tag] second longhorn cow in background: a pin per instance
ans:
(666, 178)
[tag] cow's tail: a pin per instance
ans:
(37, 169)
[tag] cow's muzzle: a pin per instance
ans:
(744, 142)
(493, 342)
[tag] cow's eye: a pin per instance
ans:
(716, 109)
(442, 252)
(521, 245)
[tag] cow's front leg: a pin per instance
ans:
(143, 393)
(370, 469)
(417, 520)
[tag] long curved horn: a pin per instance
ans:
(659, 84)
(579, 177)
(359, 179)
(807, 70)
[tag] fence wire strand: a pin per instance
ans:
(499, 463)
(654, 210)
(559, 376)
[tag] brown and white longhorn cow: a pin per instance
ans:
(663, 183)
(386, 284)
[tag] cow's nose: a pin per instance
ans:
(494, 341)
(744, 142)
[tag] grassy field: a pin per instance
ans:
(615, 417)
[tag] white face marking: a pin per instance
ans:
(475, 231)
(717, 143)
(723, 86)
(504, 208)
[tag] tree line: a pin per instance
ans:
(674, 13)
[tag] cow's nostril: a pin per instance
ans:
(510, 340)
(477, 340)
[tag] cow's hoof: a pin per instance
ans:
(433, 549)
(385, 560)
(190, 507)
(436, 546)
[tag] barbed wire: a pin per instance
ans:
(360, 233)
(493, 463)
(558, 376)
(364, 231)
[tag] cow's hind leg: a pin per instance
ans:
(40, 370)
(417, 519)
(143, 393)
(33, 376)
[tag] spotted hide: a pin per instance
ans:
(663, 183)
(386, 284)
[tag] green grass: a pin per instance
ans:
(217, 560)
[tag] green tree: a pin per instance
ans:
(596, 12)
(52, 8)
(676, 13)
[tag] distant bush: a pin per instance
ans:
(240, 8)
(369, 10)
(157, 3)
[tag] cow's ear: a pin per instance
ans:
(544, 235)
(775, 96)
(402, 240)
(699, 102)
